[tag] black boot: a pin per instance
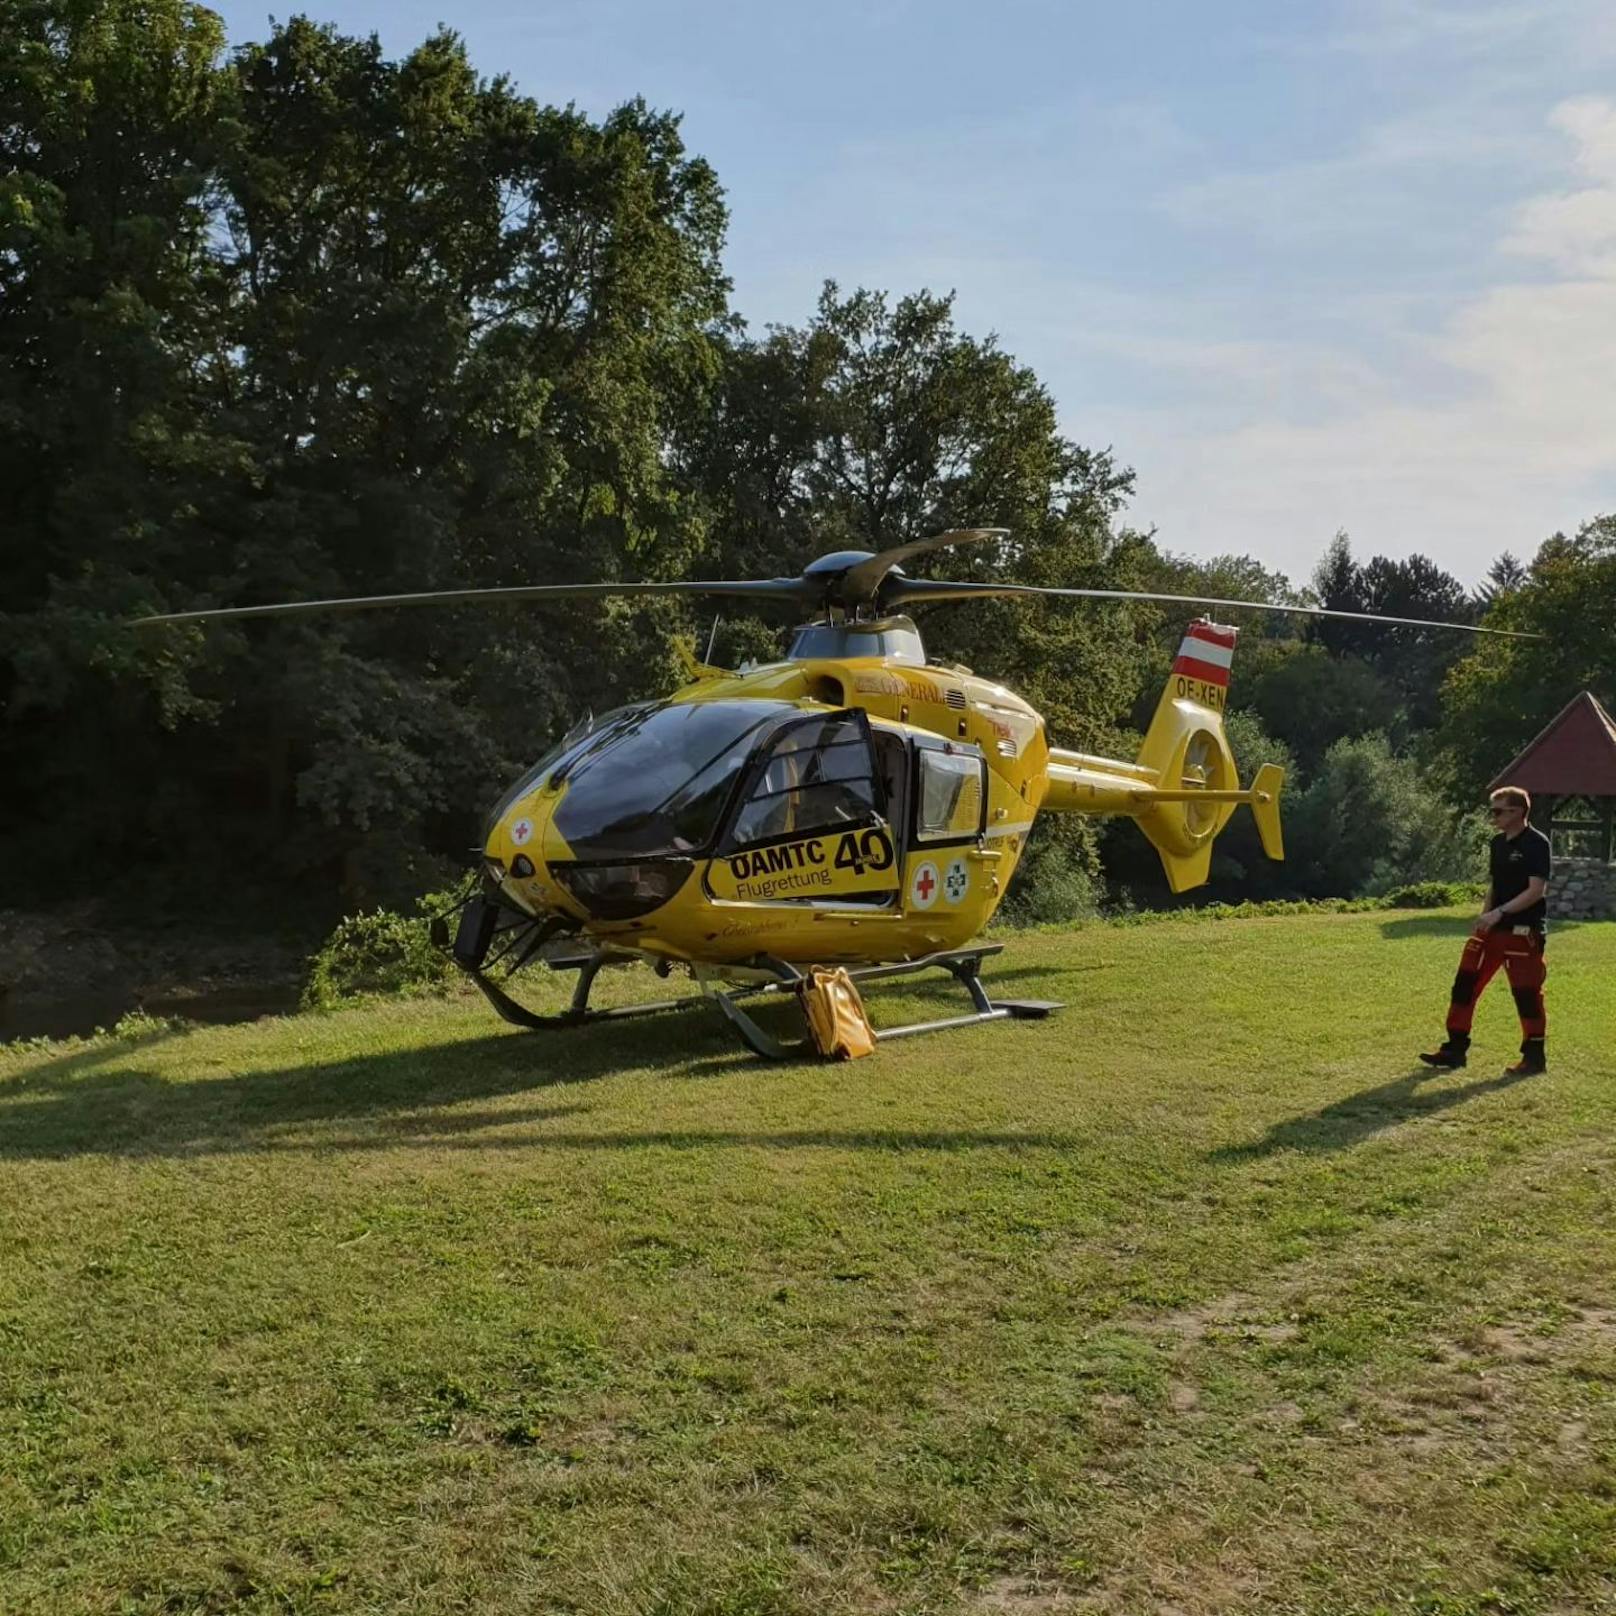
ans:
(1452, 1054)
(1533, 1061)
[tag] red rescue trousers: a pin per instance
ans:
(1521, 955)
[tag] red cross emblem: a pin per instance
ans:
(923, 888)
(521, 830)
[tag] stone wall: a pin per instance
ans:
(1582, 889)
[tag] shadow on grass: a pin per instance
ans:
(106, 1101)
(451, 1138)
(1457, 927)
(400, 1099)
(65, 1070)
(98, 1101)
(1347, 1122)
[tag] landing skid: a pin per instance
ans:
(963, 964)
(578, 1012)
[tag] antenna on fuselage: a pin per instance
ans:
(712, 640)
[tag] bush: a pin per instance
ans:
(1055, 881)
(1432, 895)
(1369, 822)
(381, 952)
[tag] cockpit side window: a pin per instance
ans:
(819, 776)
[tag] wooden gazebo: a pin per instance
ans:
(1570, 770)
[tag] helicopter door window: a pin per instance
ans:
(820, 776)
(951, 796)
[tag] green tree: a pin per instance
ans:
(1410, 661)
(1309, 700)
(1414, 661)
(1369, 821)
(1338, 583)
(1506, 690)
(341, 325)
(1504, 576)
(471, 328)
(114, 111)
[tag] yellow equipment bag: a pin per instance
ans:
(835, 1015)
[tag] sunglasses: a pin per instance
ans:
(1498, 813)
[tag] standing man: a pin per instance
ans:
(1510, 933)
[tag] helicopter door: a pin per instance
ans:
(950, 815)
(811, 825)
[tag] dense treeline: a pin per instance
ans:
(303, 321)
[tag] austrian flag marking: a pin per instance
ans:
(1206, 653)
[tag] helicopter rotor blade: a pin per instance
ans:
(753, 588)
(861, 581)
(920, 591)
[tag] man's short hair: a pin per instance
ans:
(1512, 797)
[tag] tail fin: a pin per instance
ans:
(1265, 788)
(1185, 785)
(1187, 752)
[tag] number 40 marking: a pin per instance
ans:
(860, 849)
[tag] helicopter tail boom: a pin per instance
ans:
(1184, 787)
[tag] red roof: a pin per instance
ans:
(1573, 756)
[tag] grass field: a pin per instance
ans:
(1198, 1297)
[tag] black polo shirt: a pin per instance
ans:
(1512, 863)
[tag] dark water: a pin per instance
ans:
(80, 1014)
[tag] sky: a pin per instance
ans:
(1342, 264)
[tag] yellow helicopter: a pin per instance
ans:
(852, 805)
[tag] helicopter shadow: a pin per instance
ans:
(98, 1101)
(87, 1103)
(67, 1070)
(1349, 1121)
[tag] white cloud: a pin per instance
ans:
(1576, 230)
(1522, 439)
(1361, 191)
(1591, 122)
(1382, 28)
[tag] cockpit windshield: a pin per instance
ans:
(588, 728)
(658, 781)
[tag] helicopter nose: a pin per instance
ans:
(516, 856)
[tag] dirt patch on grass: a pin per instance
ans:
(1235, 1313)
(1589, 1330)
(1015, 1596)
(1512, 1344)
(1466, 1401)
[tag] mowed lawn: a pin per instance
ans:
(1198, 1297)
